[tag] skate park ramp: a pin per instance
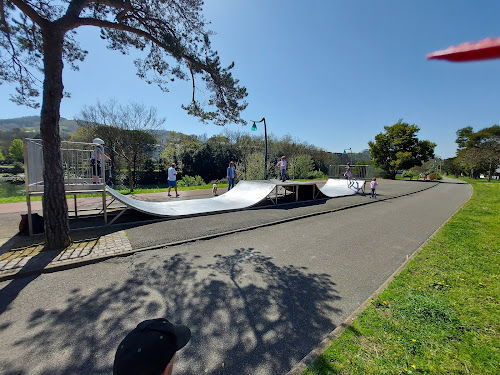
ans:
(245, 194)
(339, 188)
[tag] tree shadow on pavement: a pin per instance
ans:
(248, 315)
(39, 261)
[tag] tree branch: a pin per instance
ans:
(30, 12)
(75, 7)
(117, 26)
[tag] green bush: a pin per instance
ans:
(408, 174)
(191, 181)
(18, 168)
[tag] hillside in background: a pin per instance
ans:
(32, 124)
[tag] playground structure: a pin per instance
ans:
(78, 172)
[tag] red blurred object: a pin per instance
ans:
(482, 50)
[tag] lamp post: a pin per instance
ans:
(350, 149)
(254, 128)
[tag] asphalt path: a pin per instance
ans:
(256, 301)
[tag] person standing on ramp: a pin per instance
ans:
(348, 174)
(282, 164)
(231, 175)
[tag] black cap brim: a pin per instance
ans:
(183, 335)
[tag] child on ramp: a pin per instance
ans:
(348, 174)
(373, 186)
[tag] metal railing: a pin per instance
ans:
(76, 160)
(359, 172)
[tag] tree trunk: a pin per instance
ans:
(55, 207)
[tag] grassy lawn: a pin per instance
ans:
(22, 198)
(441, 314)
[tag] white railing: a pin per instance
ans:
(78, 170)
(359, 172)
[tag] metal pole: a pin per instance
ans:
(265, 156)
(254, 127)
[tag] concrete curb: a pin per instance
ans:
(309, 359)
(83, 262)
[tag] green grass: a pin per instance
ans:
(144, 190)
(22, 198)
(441, 314)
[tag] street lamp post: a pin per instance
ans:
(350, 149)
(254, 128)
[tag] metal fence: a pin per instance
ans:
(75, 159)
(359, 172)
(79, 173)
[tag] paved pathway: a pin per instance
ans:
(257, 301)
(23, 255)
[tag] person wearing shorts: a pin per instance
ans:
(172, 180)
(95, 160)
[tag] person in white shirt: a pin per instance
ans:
(172, 180)
(95, 160)
(282, 164)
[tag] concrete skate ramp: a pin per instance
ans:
(244, 194)
(339, 188)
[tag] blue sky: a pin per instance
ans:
(329, 73)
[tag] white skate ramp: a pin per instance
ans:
(339, 188)
(244, 194)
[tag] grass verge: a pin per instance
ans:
(441, 314)
(22, 198)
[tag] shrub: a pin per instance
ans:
(191, 181)
(18, 168)
(408, 174)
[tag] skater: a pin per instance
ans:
(172, 180)
(348, 174)
(282, 164)
(231, 175)
(373, 186)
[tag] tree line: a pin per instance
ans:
(134, 142)
(478, 152)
